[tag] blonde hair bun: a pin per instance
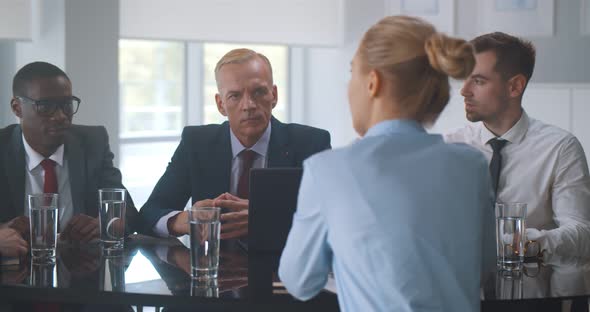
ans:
(451, 56)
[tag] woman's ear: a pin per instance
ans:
(374, 83)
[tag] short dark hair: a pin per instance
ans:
(513, 55)
(32, 71)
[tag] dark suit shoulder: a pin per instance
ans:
(92, 138)
(307, 137)
(89, 131)
(204, 133)
(6, 133)
(303, 131)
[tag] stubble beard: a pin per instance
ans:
(473, 117)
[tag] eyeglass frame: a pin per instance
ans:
(38, 103)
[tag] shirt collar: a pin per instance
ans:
(514, 135)
(33, 158)
(261, 147)
(395, 126)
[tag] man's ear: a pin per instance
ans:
(220, 106)
(516, 85)
(374, 83)
(275, 94)
(16, 107)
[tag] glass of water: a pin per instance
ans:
(510, 235)
(204, 239)
(43, 216)
(112, 218)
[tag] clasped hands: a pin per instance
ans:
(234, 223)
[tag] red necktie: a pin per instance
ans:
(50, 183)
(247, 157)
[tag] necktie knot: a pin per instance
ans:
(47, 164)
(497, 144)
(247, 157)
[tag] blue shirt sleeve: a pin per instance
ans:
(307, 257)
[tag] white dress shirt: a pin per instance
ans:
(404, 220)
(544, 167)
(261, 149)
(35, 178)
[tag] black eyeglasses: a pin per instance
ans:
(47, 107)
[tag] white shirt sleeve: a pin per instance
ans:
(307, 257)
(161, 227)
(571, 205)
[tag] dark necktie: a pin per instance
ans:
(496, 163)
(247, 157)
(50, 182)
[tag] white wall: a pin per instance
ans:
(48, 43)
(16, 19)
(328, 72)
(302, 22)
(92, 62)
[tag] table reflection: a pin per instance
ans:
(553, 276)
(173, 265)
(43, 274)
(112, 273)
(158, 270)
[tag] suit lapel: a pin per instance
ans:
(279, 151)
(15, 166)
(76, 171)
(218, 162)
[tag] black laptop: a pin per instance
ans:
(273, 200)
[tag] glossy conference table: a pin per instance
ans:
(155, 272)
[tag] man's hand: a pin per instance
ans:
(234, 224)
(20, 225)
(178, 224)
(81, 228)
(12, 243)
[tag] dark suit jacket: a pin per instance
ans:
(90, 165)
(201, 165)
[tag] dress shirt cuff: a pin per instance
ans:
(161, 227)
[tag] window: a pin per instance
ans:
(151, 79)
(154, 82)
(152, 110)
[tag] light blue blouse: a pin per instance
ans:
(404, 220)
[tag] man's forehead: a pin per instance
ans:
(485, 60)
(485, 64)
(49, 87)
(232, 76)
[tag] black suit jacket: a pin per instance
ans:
(90, 167)
(201, 165)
